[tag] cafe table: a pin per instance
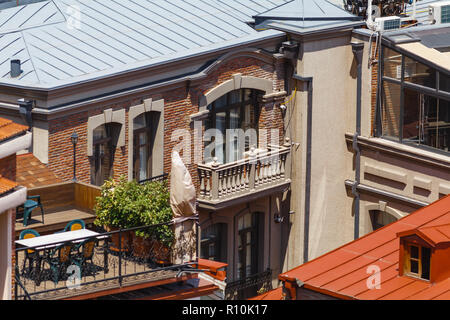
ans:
(51, 241)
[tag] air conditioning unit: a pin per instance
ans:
(439, 12)
(387, 23)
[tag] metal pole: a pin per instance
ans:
(74, 163)
(120, 257)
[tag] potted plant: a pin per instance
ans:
(127, 204)
(116, 209)
(155, 211)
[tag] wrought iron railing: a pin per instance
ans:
(103, 261)
(161, 177)
(249, 287)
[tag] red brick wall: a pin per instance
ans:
(8, 167)
(178, 105)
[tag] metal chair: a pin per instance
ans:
(76, 224)
(84, 254)
(29, 206)
(33, 257)
(59, 259)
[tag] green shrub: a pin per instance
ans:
(126, 204)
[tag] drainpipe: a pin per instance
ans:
(357, 48)
(309, 81)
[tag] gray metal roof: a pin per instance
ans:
(305, 16)
(118, 35)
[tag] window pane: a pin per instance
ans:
(139, 122)
(392, 64)
(426, 255)
(220, 147)
(247, 95)
(414, 252)
(247, 220)
(411, 114)
(414, 266)
(440, 131)
(221, 102)
(419, 73)
(99, 133)
(241, 223)
(391, 109)
(235, 96)
(444, 82)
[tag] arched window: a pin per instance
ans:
(380, 219)
(104, 145)
(214, 242)
(144, 131)
(237, 109)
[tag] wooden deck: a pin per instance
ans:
(62, 203)
(54, 221)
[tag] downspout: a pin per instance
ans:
(309, 81)
(357, 48)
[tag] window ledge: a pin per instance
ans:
(402, 150)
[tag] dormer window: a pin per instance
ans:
(417, 261)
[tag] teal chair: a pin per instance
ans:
(59, 259)
(84, 253)
(32, 203)
(76, 224)
(33, 257)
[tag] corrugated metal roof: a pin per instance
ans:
(110, 36)
(343, 271)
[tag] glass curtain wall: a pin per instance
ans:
(415, 102)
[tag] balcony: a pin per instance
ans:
(259, 174)
(103, 263)
(62, 202)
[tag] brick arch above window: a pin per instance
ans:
(238, 81)
(108, 116)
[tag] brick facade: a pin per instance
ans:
(178, 105)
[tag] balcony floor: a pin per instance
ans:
(55, 220)
(130, 266)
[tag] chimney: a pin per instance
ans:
(15, 68)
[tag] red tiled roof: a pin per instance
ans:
(9, 129)
(275, 294)
(343, 271)
(33, 173)
(6, 185)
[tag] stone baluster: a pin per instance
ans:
(252, 176)
(215, 181)
(202, 183)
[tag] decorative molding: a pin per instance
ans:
(238, 81)
(422, 183)
(382, 206)
(387, 194)
(444, 188)
(108, 116)
(385, 173)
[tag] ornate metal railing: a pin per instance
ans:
(249, 287)
(104, 261)
(256, 172)
(161, 177)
